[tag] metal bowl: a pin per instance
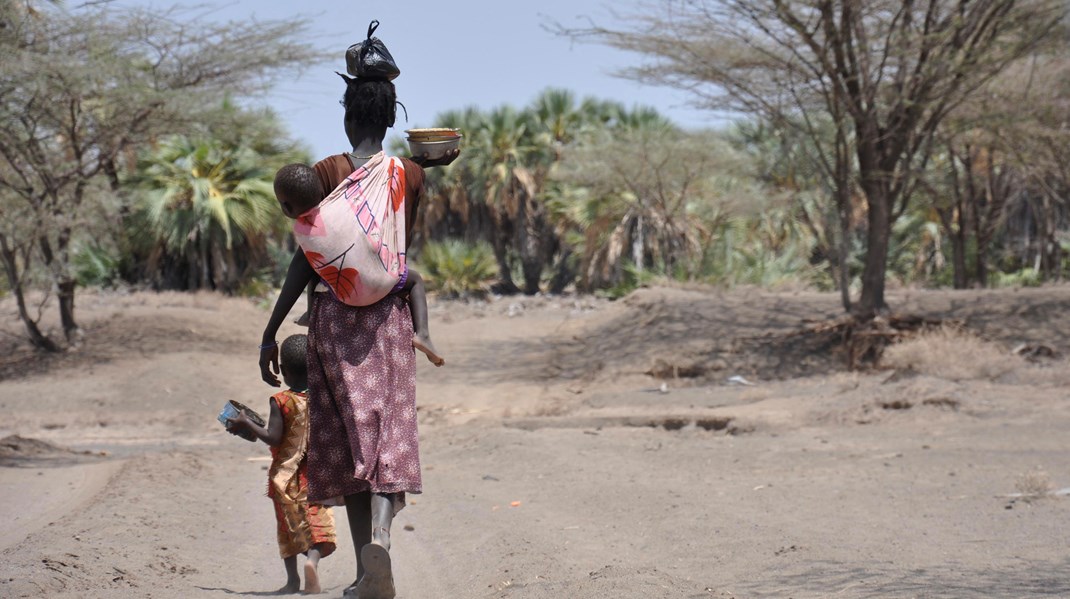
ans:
(231, 410)
(433, 149)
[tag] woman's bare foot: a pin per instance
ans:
(378, 579)
(302, 320)
(312, 580)
(423, 343)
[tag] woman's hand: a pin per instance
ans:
(424, 161)
(298, 275)
(269, 365)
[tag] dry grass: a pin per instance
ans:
(951, 353)
(1055, 374)
(1033, 485)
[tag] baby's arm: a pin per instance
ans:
(272, 435)
(297, 278)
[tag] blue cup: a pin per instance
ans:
(231, 410)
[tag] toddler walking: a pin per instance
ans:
(302, 527)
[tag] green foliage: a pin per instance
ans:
(209, 208)
(769, 248)
(1027, 277)
(630, 279)
(457, 269)
(96, 266)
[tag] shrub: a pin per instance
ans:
(1026, 277)
(457, 269)
(951, 353)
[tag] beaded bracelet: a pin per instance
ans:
(267, 345)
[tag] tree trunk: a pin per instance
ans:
(500, 245)
(66, 286)
(981, 268)
(872, 301)
(564, 273)
(11, 270)
(638, 243)
(204, 263)
(958, 260)
(65, 294)
(843, 208)
(528, 244)
(57, 263)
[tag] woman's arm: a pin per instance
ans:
(272, 435)
(297, 278)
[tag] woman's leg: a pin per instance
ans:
(378, 579)
(382, 515)
(359, 512)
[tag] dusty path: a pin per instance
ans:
(829, 486)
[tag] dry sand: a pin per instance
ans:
(572, 448)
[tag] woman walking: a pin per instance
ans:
(363, 443)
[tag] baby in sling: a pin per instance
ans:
(355, 237)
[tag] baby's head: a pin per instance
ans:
(293, 361)
(298, 189)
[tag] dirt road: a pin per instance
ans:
(555, 466)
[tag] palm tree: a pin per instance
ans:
(209, 210)
(502, 187)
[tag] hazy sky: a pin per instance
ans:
(451, 54)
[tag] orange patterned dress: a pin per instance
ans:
(300, 524)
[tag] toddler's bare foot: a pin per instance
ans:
(312, 579)
(302, 320)
(423, 343)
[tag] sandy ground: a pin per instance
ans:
(572, 448)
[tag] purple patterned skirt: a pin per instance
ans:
(362, 400)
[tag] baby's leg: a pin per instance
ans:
(421, 339)
(303, 319)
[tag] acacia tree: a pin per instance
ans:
(82, 88)
(652, 194)
(885, 73)
(1002, 153)
(1038, 146)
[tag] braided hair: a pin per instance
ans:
(370, 104)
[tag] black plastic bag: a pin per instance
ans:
(370, 59)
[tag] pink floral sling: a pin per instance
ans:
(355, 237)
